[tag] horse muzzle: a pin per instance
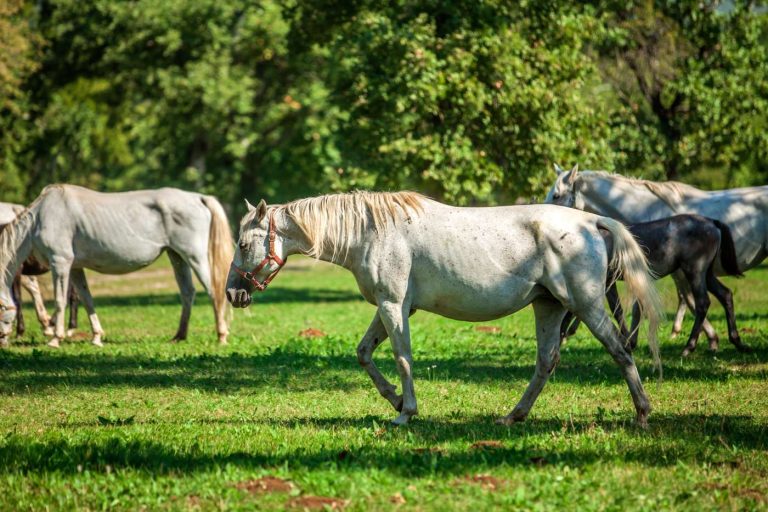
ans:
(239, 297)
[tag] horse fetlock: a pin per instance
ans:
(403, 419)
(515, 416)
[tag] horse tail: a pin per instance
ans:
(727, 250)
(220, 254)
(629, 262)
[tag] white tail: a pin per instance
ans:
(629, 261)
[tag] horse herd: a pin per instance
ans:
(409, 253)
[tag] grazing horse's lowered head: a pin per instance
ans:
(259, 255)
(564, 190)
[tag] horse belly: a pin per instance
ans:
(116, 259)
(475, 303)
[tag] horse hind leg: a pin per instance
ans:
(80, 285)
(598, 322)
(183, 273)
(202, 270)
(549, 316)
(74, 304)
(725, 297)
(684, 290)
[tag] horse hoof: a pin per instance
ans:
(403, 419)
(54, 343)
(97, 342)
(642, 422)
(509, 420)
(48, 331)
(673, 335)
(687, 351)
(223, 339)
(70, 332)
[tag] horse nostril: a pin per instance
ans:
(231, 295)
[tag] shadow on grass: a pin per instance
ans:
(684, 435)
(277, 295)
(315, 364)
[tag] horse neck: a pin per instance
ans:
(294, 241)
(620, 199)
(15, 246)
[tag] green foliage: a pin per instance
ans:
(467, 101)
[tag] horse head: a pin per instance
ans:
(256, 261)
(564, 191)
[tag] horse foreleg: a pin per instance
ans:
(700, 306)
(73, 303)
(395, 321)
(684, 291)
(16, 296)
(597, 321)
(725, 297)
(60, 277)
(80, 285)
(569, 327)
(549, 316)
(32, 286)
(183, 273)
(614, 302)
(373, 337)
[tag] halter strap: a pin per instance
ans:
(271, 256)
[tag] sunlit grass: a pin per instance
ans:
(146, 423)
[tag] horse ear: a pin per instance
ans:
(558, 170)
(570, 178)
(261, 210)
(249, 206)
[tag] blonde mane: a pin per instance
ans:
(333, 221)
(671, 192)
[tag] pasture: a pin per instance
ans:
(146, 424)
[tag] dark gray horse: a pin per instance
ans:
(690, 244)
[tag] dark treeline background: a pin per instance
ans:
(468, 101)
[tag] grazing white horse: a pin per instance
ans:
(71, 228)
(8, 212)
(743, 210)
(408, 252)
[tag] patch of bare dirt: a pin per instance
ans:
(312, 333)
(492, 329)
(487, 482)
(316, 503)
(265, 484)
(487, 444)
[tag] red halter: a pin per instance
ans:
(271, 256)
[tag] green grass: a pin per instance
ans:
(146, 424)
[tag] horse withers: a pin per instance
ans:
(70, 228)
(408, 252)
(689, 244)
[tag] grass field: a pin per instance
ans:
(146, 424)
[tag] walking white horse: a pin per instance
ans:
(743, 210)
(71, 228)
(8, 212)
(408, 252)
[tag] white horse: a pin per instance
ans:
(71, 228)
(408, 252)
(8, 212)
(743, 210)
